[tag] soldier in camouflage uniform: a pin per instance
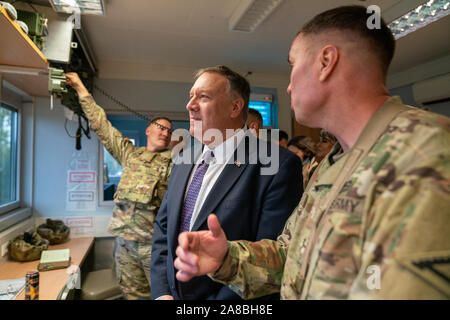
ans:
(323, 147)
(374, 221)
(139, 193)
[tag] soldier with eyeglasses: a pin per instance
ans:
(139, 193)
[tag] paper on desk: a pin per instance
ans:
(51, 256)
(9, 289)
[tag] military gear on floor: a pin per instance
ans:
(54, 231)
(27, 247)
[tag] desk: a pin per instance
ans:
(50, 282)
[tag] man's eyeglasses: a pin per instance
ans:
(162, 128)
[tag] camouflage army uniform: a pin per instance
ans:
(385, 234)
(137, 200)
(308, 170)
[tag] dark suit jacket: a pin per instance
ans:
(249, 206)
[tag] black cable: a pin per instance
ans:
(67, 131)
(87, 130)
(140, 115)
(78, 140)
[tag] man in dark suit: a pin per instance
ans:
(250, 184)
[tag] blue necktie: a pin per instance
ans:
(193, 190)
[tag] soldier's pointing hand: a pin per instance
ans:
(201, 252)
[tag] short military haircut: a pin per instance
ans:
(159, 118)
(255, 113)
(238, 84)
(353, 20)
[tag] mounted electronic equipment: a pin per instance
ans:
(57, 81)
(67, 49)
(37, 26)
(50, 31)
(57, 87)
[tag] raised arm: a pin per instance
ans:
(112, 139)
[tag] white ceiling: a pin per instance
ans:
(194, 33)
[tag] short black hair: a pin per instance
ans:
(295, 141)
(159, 118)
(238, 83)
(283, 135)
(257, 114)
(353, 20)
(303, 143)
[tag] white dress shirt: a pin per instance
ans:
(222, 155)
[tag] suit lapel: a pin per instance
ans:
(227, 179)
(224, 183)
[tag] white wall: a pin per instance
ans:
(145, 95)
(430, 69)
(401, 83)
(120, 70)
(54, 151)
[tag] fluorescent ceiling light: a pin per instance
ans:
(250, 13)
(421, 16)
(96, 7)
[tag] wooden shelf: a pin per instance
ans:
(17, 50)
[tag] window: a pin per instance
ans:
(267, 111)
(9, 146)
(134, 129)
(112, 170)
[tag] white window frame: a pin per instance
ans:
(100, 191)
(173, 116)
(6, 208)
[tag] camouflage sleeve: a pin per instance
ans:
(252, 269)
(118, 146)
(255, 269)
(163, 181)
(406, 254)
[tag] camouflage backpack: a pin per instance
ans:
(54, 231)
(27, 247)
